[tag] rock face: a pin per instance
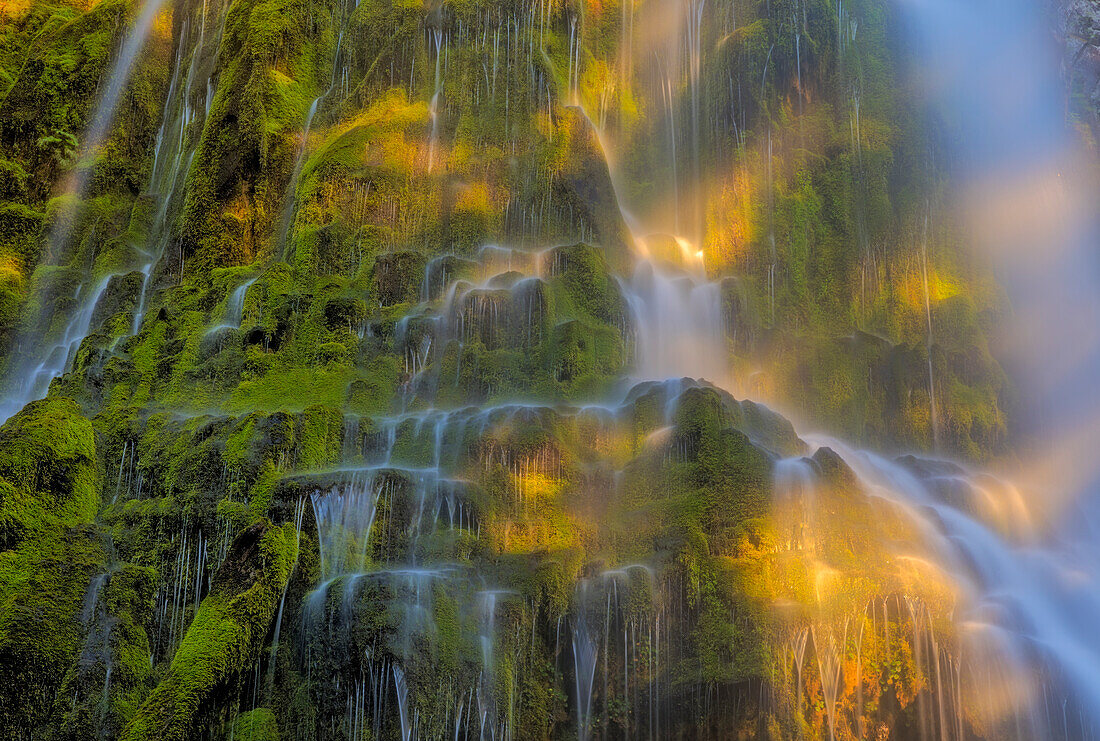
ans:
(50, 495)
(342, 432)
(224, 637)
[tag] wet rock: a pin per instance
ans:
(344, 312)
(225, 635)
(121, 295)
(397, 277)
(584, 182)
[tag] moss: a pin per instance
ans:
(345, 313)
(19, 230)
(92, 702)
(225, 636)
(43, 588)
(397, 277)
(49, 492)
(584, 182)
(332, 352)
(585, 274)
(319, 436)
(270, 73)
(581, 356)
(372, 393)
(256, 725)
(48, 470)
(293, 389)
(13, 180)
(52, 92)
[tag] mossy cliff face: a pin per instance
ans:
(345, 441)
(224, 637)
(50, 554)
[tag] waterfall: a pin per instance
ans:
(1019, 595)
(433, 109)
(676, 312)
(1033, 216)
(234, 308)
(52, 360)
(345, 517)
(585, 653)
(57, 356)
(678, 325)
(95, 135)
(794, 482)
(402, 688)
(1025, 598)
(172, 155)
(393, 487)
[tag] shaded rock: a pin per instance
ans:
(224, 637)
(584, 182)
(397, 277)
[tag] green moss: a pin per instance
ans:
(397, 277)
(49, 492)
(91, 702)
(43, 588)
(225, 636)
(584, 272)
(13, 180)
(48, 473)
(319, 436)
(19, 229)
(373, 392)
(256, 725)
(293, 389)
(271, 73)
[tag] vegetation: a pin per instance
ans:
(370, 258)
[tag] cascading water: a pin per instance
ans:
(1028, 607)
(33, 377)
(466, 538)
(234, 307)
(1032, 593)
(678, 325)
(117, 78)
(57, 359)
(433, 142)
(175, 149)
(679, 328)
(677, 318)
(172, 155)
(585, 655)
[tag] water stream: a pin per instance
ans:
(1026, 571)
(49, 360)
(1030, 599)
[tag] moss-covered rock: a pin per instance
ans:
(104, 687)
(256, 725)
(225, 636)
(49, 554)
(48, 474)
(584, 182)
(398, 277)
